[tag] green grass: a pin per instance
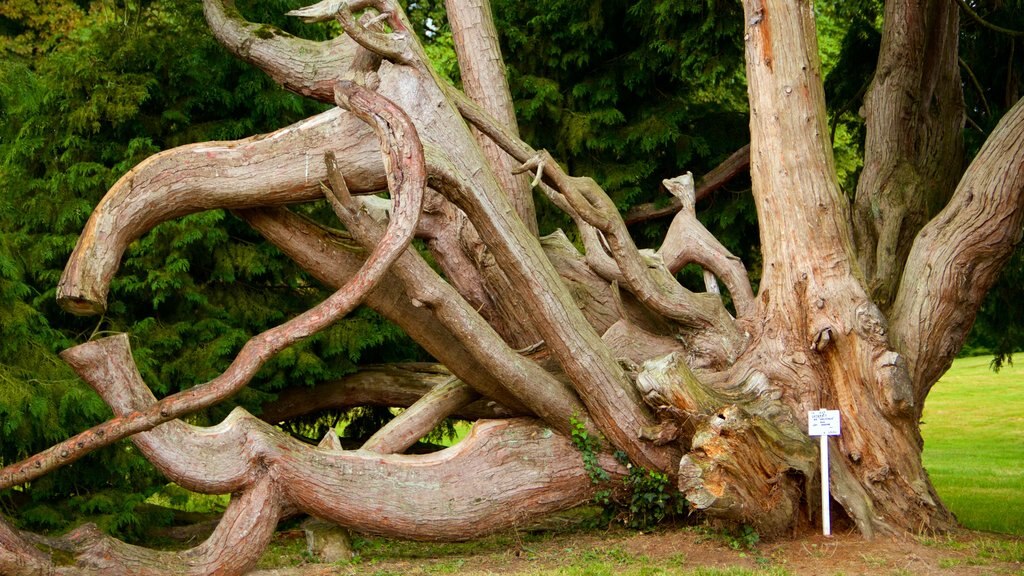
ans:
(973, 428)
(612, 560)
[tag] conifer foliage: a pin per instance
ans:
(87, 92)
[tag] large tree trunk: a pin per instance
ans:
(914, 150)
(605, 343)
(821, 338)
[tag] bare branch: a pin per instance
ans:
(392, 385)
(654, 287)
(737, 163)
(596, 375)
(302, 66)
(527, 382)
(407, 176)
(601, 383)
(330, 258)
(977, 18)
(484, 82)
(688, 241)
(399, 46)
(320, 12)
(592, 205)
(419, 419)
(977, 88)
(957, 257)
(278, 168)
(465, 491)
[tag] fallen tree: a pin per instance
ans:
(860, 306)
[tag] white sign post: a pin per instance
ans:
(824, 423)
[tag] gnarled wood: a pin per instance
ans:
(821, 341)
(747, 460)
(302, 66)
(688, 241)
(331, 259)
(278, 168)
(518, 319)
(601, 383)
(407, 176)
(747, 469)
(503, 473)
(957, 257)
(526, 381)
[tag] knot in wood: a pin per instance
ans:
(871, 324)
(822, 339)
(881, 474)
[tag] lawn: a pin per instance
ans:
(973, 428)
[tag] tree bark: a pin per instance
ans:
(957, 257)
(485, 82)
(821, 339)
(607, 340)
(302, 66)
(279, 168)
(396, 386)
(913, 155)
(331, 260)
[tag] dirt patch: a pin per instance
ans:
(674, 551)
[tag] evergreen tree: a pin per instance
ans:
(126, 80)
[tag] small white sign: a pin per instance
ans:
(823, 423)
